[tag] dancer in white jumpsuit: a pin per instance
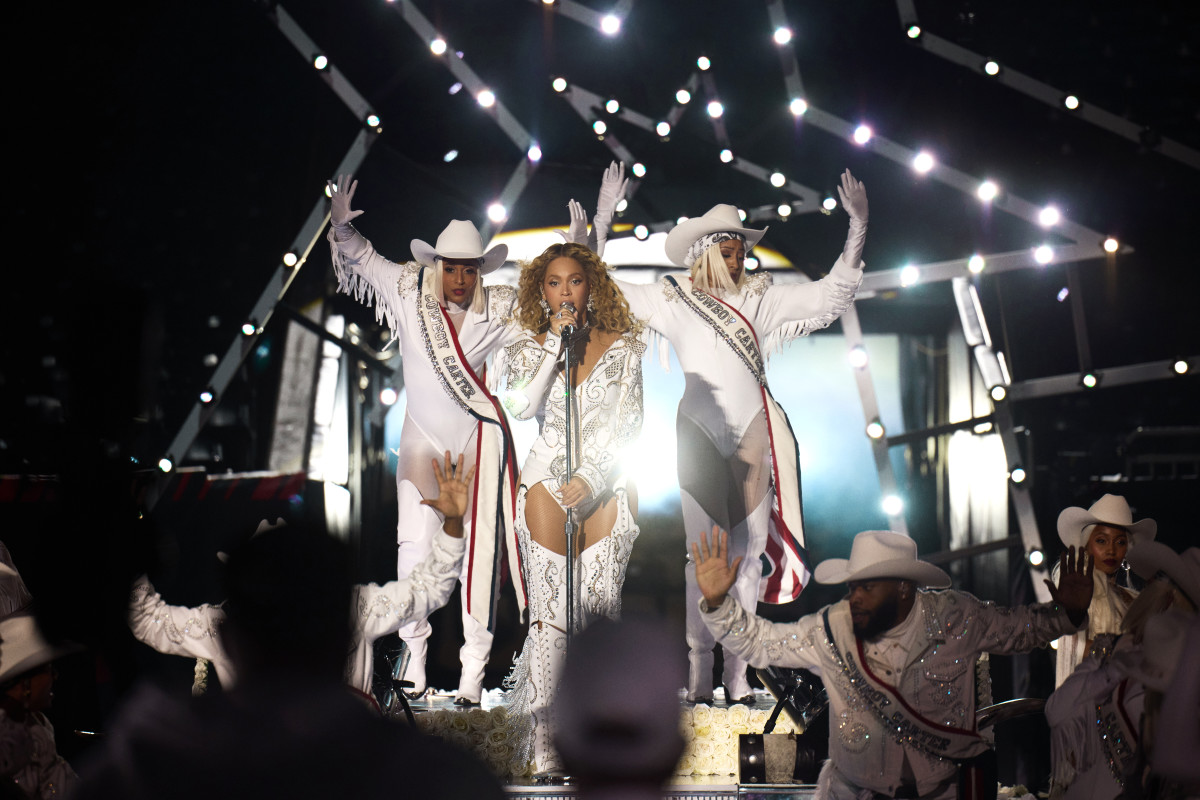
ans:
(607, 418)
(447, 325)
(738, 466)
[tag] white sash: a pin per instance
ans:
(493, 494)
(785, 533)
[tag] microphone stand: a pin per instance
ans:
(571, 526)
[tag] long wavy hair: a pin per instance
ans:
(610, 310)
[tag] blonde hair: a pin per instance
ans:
(710, 273)
(478, 301)
(609, 310)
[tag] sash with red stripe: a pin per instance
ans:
(494, 492)
(785, 549)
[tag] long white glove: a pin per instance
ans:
(854, 200)
(613, 185)
(576, 233)
(340, 213)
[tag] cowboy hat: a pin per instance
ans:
(1150, 558)
(23, 648)
(719, 218)
(461, 239)
(881, 554)
(1108, 510)
(1153, 664)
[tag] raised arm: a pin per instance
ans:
(613, 185)
(175, 630)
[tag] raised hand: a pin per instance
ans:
(454, 488)
(575, 492)
(612, 188)
(342, 194)
(714, 574)
(854, 197)
(577, 232)
(1074, 590)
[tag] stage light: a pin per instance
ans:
(829, 204)
(559, 84)
(991, 68)
(726, 156)
(211, 360)
(683, 97)
(1180, 367)
(455, 88)
(290, 259)
(328, 191)
(388, 396)
(703, 63)
(638, 169)
(782, 35)
(1017, 475)
(751, 263)
(610, 24)
(914, 31)
(862, 134)
(1043, 254)
(892, 505)
(778, 180)
(998, 393)
(1063, 293)
(798, 106)
(923, 162)
(875, 429)
(663, 128)
(437, 46)
(214, 321)
(975, 264)
(206, 396)
(784, 210)
(612, 106)
(742, 214)
(680, 220)
(486, 98)
(534, 153)
(497, 212)
(982, 428)
(1111, 245)
(547, 2)
(600, 127)
(715, 109)
(858, 356)
(909, 275)
(1071, 102)
(1036, 557)
(450, 156)
(248, 328)
(1054, 644)
(373, 121)
(320, 61)
(987, 191)
(621, 206)
(1049, 216)
(1089, 380)
(641, 232)
(165, 464)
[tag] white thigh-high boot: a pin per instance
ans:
(745, 589)
(602, 568)
(700, 640)
(414, 540)
(477, 645)
(546, 645)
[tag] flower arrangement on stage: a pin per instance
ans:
(489, 735)
(711, 736)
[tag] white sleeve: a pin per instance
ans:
(797, 309)
(530, 369)
(369, 277)
(175, 630)
(760, 642)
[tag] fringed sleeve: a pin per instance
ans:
(369, 277)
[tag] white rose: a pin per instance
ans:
(706, 765)
(686, 765)
(702, 716)
(739, 716)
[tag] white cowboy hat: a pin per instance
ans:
(23, 648)
(461, 239)
(719, 218)
(881, 554)
(1153, 664)
(1150, 558)
(1108, 510)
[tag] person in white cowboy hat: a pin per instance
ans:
(898, 661)
(195, 632)
(447, 324)
(737, 459)
(1107, 532)
(28, 756)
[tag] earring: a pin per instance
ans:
(545, 307)
(591, 304)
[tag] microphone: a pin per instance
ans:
(567, 330)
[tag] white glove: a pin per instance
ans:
(613, 185)
(854, 197)
(339, 210)
(577, 232)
